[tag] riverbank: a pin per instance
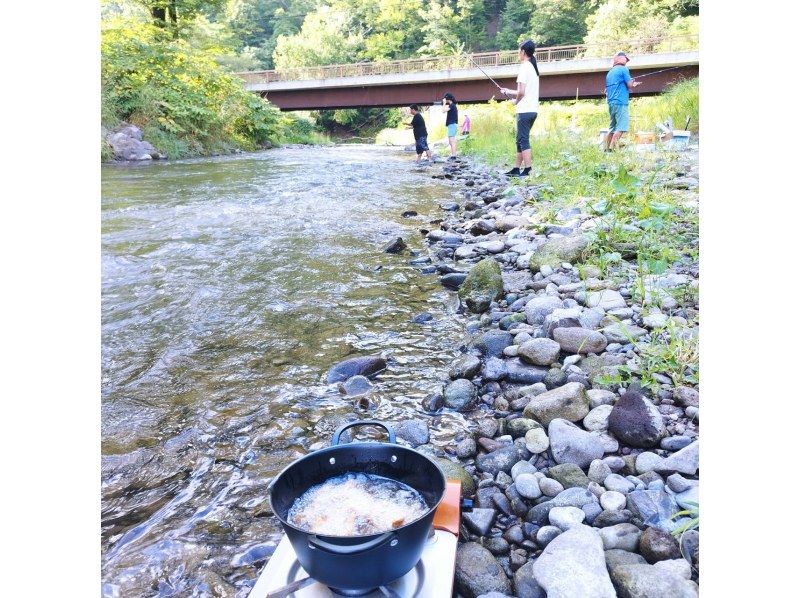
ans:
(580, 373)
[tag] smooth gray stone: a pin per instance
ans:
(479, 520)
(477, 572)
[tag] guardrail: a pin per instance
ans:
(483, 59)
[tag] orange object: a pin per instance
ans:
(448, 513)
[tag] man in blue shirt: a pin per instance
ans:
(618, 85)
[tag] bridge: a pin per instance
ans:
(565, 71)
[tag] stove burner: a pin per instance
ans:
(418, 583)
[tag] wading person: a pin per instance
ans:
(526, 101)
(420, 133)
(619, 83)
(450, 108)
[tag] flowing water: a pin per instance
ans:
(230, 286)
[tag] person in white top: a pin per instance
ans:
(527, 105)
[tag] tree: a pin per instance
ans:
(558, 22)
(168, 13)
(326, 37)
(514, 23)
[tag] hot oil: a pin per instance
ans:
(356, 504)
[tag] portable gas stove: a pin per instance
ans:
(432, 577)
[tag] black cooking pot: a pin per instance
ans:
(359, 562)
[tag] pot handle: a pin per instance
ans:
(364, 422)
(315, 542)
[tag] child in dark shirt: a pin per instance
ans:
(420, 133)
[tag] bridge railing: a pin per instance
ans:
(482, 59)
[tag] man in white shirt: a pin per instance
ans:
(527, 106)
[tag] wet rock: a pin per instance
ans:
(396, 245)
(556, 251)
(479, 520)
(453, 280)
(635, 421)
(492, 342)
(565, 402)
(478, 572)
(357, 385)
(658, 545)
(413, 431)
(647, 581)
(571, 444)
(460, 395)
(569, 475)
(465, 366)
(409, 214)
(423, 317)
(433, 402)
(494, 369)
(483, 284)
(502, 459)
(579, 340)
(496, 545)
(454, 471)
(574, 564)
(623, 536)
(364, 366)
(482, 227)
(525, 585)
(466, 448)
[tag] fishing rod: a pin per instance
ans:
(472, 60)
(672, 68)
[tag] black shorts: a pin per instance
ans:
(524, 123)
(422, 145)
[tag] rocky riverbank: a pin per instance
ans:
(581, 387)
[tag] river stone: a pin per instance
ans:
(647, 581)
(519, 427)
(686, 460)
(539, 351)
(579, 340)
(616, 557)
(573, 565)
(539, 307)
(395, 245)
(521, 467)
(647, 461)
(502, 459)
(546, 534)
(556, 251)
(465, 366)
(478, 572)
(555, 377)
(483, 284)
(620, 332)
(492, 342)
(599, 396)
(607, 364)
(677, 567)
(525, 585)
(466, 448)
(623, 536)
(433, 402)
(571, 444)
(521, 373)
(550, 487)
(536, 440)
(613, 501)
(618, 483)
(127, 143)
(495, 369)
(635, 421)
(569, 475)
(598, 471)
(607, 299)
(565, 402)
(686, 396)
(357, 385)
(528, 485)
(565, 518)
(364, 366)
(657, 545)
(453, 280)
(413, 431)
(597, 418)
(460, 395)
(455, 472)
(479, 521)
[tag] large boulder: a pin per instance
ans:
(648, 581)
(483, 284)
(356, 366)
(635, 421)
(565, 402)
(573, 565)
(478, 572)
(571, 444)
(556, 251)
(127, 144)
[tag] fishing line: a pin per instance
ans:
(462, 53)
(672, 68)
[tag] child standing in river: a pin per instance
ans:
(420, 133)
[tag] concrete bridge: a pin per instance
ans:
(566, 71)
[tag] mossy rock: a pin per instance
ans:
(554, 252)
(483, 284)
(454, 471)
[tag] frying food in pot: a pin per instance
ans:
(356, 504)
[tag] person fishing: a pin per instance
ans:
(420, 133)
(619, 83)
(527, 106)
(450, 107)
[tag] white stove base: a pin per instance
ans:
(437, 564)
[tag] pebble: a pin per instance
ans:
(599, 471)
(466, 448)
(571, 444)
(615, 463)
(536, 440)
(565, 518)
(677, 483)
(595, 489)
(550, 487)
(612, 501)
(520, 468)
(619, 484)
(528, 485)
(598, 396)
(675, 443)
(647, 461)
(623, 536)
(546, 534)
(597, 418)
(592, 511)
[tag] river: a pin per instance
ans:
(230, 285)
